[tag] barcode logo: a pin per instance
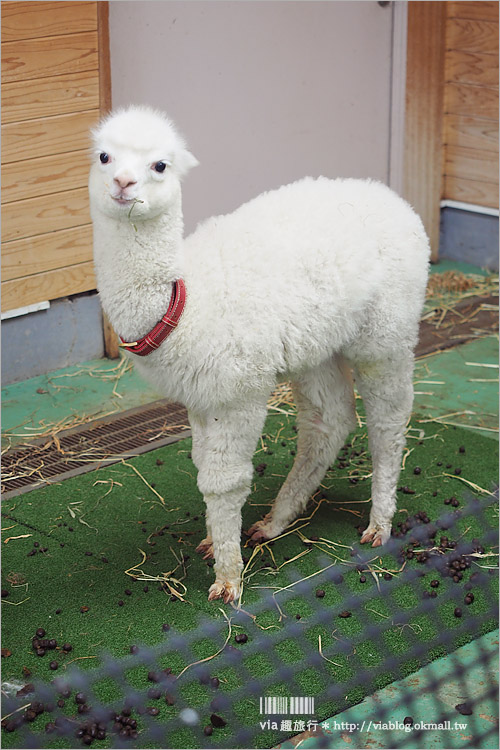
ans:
(303, 705)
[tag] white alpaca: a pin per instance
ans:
(307, 282)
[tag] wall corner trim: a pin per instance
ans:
(424, 113)
(18, 311)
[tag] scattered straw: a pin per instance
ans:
(21, 536)
(445, 416)
(406, 454)
(386, 617)
(474, 486)
(481, 364)
(129, 215)
(282, 396)
(111, 482)
(78, 658)
(50, 429)
(21, 708)
(308, 518)
(173, 584)
(449, 281)
(471, 426)
(77, 513)
(325, 657)
(144, 480)
(17, 579)
(445, 293)
(461, 285)
(252, 617)
(209, 658)
(301, 580)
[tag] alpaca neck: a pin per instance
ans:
(136, 264)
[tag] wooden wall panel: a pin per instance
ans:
(56, 84)
(485, 10)
(472, 67)
(471, 101)
(477, 164)
(472, 36)
(46, 252)
(29, 20)
(471, 132)
(451, 130)
(44, 176)
(47, 286)
(470, 122)
(38, 58)
(49, 135)
(477, 192)
(46, 97)
(46, 214)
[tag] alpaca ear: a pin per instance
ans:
(184, 161)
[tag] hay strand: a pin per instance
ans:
(209, 658)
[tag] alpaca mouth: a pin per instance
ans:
(123, 201)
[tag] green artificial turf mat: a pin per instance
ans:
(459, 386)
(96, 526)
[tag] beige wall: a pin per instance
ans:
(265, 92)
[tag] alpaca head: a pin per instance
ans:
(138, 161)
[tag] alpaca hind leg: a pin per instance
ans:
(387, 392)
(325, 416)
(224, 477)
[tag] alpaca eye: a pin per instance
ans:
(160, 166)
(104, 158)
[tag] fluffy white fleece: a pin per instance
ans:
(308, 282)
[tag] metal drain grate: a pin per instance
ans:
(105, 441)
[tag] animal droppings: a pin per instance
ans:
(217, 721)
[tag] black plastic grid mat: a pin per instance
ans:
(32, 718)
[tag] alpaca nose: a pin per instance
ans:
(124, 180)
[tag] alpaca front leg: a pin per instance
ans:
(224, 512)
(224, 477)
(206, 547)
(198, 425)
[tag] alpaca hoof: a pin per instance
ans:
(378, 535)
(260, 536)
(261, 532)
(226, 590)
(206, 549)
(368, 536)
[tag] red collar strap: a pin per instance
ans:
(164, 327)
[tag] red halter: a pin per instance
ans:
(164, 327)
